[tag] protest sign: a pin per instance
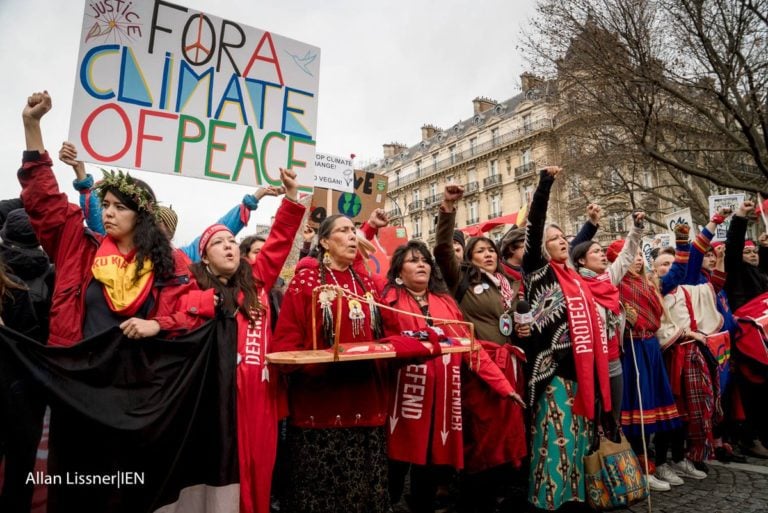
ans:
(370, 193)
(680, 217)
(660, 240)
(332, 172)
(731, 201)
(164, 88)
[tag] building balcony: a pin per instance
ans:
(415, 206)
(394, 213)
(494, 215)
(449, 161)
(492, 181)
(433, 200)
(471, 188)
(474, 220)
(525, 170)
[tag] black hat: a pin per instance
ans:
(18, 230)
(458, 236)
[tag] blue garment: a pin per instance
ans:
(659, 411)
(677, 271)
(91, 205)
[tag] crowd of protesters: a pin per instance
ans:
(607, 334)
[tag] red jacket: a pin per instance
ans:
(349, 394)
(425, 413)
(71, 247)
(261, 391)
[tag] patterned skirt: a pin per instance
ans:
(334, 470)
(659, 412)
(559, 442)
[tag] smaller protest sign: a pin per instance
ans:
(370, 193)
(333, 172)
(731, 201)
(680, 217)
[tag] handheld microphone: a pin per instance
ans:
(523, 313)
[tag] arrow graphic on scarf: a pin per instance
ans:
(444, 432)
(393, 418)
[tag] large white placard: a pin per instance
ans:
(164, 88)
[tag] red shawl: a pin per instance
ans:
(639, 294)
(585, 328)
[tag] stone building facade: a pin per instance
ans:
(494, 153)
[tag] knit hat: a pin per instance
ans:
(614, 248)
(747, 243)
(208, 233)
(458, 236)
(715, 245)
(18, 231)
(169, 218)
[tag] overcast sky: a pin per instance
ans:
(386, 68)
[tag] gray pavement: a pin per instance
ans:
(729, 488)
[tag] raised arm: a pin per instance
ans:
(83, 183)
(626, 257)
(235, 219)
(446, 222)
(537, 217)
(57, 223)
(700, 246)
(588, 229)
(679, 267)
(734, 240)
(270, 260)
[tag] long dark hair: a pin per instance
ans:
(242, 281)
(436, 283)
(148, 239)
(246, 243)
(475, 274)
(6, 285)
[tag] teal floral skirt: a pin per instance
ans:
(559, 442)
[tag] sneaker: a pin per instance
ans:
(657, 485)
(685, 468)
(756, 449)
(700, 465)
(666, 473)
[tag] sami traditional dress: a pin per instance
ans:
(642, 360)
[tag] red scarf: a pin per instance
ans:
(261, 402)
(586, 329)
(606, 294)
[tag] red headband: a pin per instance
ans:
(208, 233)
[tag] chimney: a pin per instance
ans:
(529, 81)
(482, 104)
(393, 149)
(428, 131)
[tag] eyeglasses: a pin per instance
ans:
(750, 251)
